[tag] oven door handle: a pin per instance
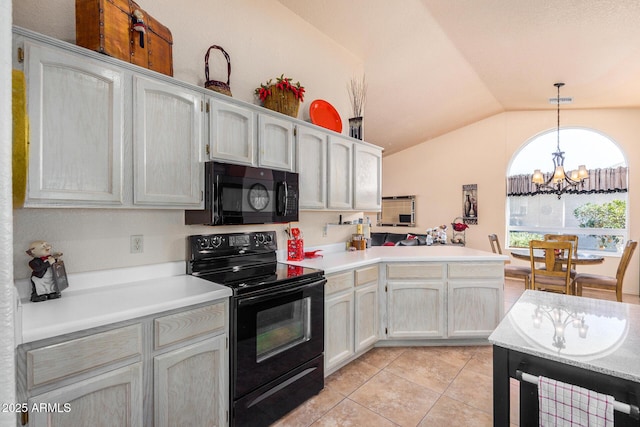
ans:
(288, 291)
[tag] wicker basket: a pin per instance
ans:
(216, 85)
(282, 101)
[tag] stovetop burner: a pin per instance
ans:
(245, 262)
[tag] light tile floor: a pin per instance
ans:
(414, 386)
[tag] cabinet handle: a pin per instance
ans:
(20, 55)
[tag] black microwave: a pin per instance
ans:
(236, 194)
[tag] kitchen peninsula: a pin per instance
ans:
(410, 295)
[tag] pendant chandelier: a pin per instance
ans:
(560, 182)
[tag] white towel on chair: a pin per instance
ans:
(563, 404)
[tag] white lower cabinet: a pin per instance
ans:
(338, 330)
(111, 399)
(188, 384)
(415, 309)
(366, 316)
(443, 300)
(167, 370)
(351, 315)
(476, 299)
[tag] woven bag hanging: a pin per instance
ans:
(217, 85)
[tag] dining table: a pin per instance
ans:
(579, 258)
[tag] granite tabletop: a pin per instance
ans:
(598, 335)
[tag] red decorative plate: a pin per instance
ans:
(323, 114)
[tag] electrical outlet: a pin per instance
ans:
(137, 244)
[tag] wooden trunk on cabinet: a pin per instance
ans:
(312, 168)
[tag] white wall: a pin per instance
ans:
(264, 40)
(480, 154)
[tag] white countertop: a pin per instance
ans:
(338, 261)
(604, 337)
(100, 298)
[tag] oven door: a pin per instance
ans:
(276, 333)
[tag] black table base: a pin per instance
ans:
(506, 362)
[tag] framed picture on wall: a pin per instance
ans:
(470, 203)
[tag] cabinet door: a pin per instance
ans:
(167, 124)
(231, 133)
(366, 314)
(110, 399)
(338, 329)
(340, 173)
(75, 107)
(275, 143)
(415, 309)
(312, 168)
(191, 385)
(475, 307)
(367, 185)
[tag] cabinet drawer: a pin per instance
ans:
(57, 361)
(476, 270)
(338, 282)
(189, 324)
(415, 271)
(366, 275)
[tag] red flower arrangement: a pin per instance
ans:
(459, 226)
(283, 83)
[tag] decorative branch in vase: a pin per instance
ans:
(358, 95)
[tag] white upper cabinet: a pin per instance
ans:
(275, 143)
(231, 132)
(167, 140)
(312, 167)
(340, 173)
(75, 108)
(367, 184)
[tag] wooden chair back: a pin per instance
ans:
(564, 238)
(629, 248)
(552, 275)
(495, 244)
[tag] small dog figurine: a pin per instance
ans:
(43, 285)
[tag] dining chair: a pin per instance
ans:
(565, 238)
(513, 271)
(596, 281)
(552, 276)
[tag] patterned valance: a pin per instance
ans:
(607, 180)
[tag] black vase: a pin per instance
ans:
(355, 128)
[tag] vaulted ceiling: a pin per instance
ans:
(433, 66)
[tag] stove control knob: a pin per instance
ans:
(260, 238)
(216, 241)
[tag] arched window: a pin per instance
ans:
(597, 213)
